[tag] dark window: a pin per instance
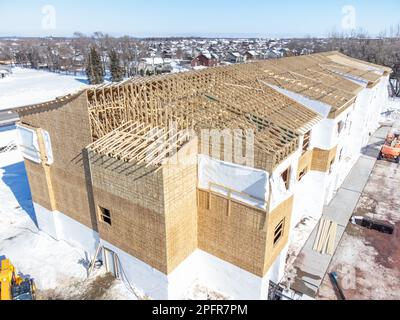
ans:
(340, 127)
(306, 142)
(286, 178)
(331, 166)
(303, 173)
(105, 215)
(279, 231)
(341, 155)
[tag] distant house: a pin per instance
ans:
(205, 60)
(4, 71)
(251, 55)
(3, 74)
(155, 65)
(273, 54)
(166, 54)
(235, 57)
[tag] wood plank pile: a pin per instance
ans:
(326, 237)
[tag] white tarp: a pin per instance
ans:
(29, 145)
(321, 108)
(47, 145)
(279, 193)
(251, 182)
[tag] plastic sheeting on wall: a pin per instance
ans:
(29, 145)
(219, 176)
(47, 145)
(279, 193)
(321, 108)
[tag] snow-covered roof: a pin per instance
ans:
(156, 60)
(207, 55)
(27, 87)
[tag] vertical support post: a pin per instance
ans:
(46, 169)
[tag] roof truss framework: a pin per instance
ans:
(232, 97)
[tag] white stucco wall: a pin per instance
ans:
(61, 227)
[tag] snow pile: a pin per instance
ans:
(27, 86)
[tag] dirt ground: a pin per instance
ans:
(368, 261)
(100, 286)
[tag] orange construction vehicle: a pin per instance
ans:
(391, 149)
(13, 286)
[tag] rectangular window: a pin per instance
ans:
(105, 215)
(279, 231)
(286, 178)
(306, 141)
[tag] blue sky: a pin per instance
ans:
(282, 18)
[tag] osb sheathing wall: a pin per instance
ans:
(69, 129)
(153, 212)
(283, 211)
(38, 184)
(237, 238)
(180, 199)
(305, 162)
(322, 159)
(135, 197)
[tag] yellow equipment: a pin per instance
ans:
(13, 286)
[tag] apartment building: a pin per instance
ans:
(200, 175)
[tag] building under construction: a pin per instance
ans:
(200, 175)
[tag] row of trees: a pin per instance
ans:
(71, 55)
(95, 70)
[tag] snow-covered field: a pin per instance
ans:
(28, 86)
(59, 270)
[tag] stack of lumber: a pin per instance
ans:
(326, 237)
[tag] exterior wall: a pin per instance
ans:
(69, 129)
(310, 196)
(218, 232)
(360, 119)
(135, 197)
(38, 184)
(221, 276)
(322, 159)
(180, 200)
(61, 227)
(272, 252)
(253, 250)
(305, 163)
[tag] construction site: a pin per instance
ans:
(206, 175)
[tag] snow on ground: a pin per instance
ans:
(27, 86)
(297, 241)
(54, 265)
(198, 291)
(392, 111)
